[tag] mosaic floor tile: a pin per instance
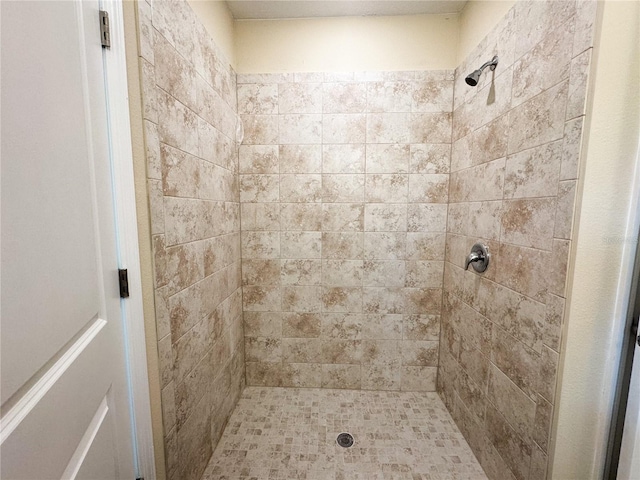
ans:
(290, 433)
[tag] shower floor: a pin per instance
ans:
(290, 433)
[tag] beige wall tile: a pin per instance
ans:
(392, 158)
(260, 244)
(389, 128)
(421, 327)
(342, 299)
(382, 326)
(301, 325)
(346, 158)
(346, 326)
(385, 245)
(518, 409)
(302, 298)
(260, 129)
(427, 188)
(381, 377)
(263, 349)
(389, 96)
(585, 20)
(259, 188)
(529, 272)
(546, 64)
(548, 111)
(301, 216)
(430, 158)
(344, 97)
(345, 245)
(341, 376)
(300, 97)
(418, 379)
(517, 361)
(380, 217)
(537, 20)
(260, 216)
(383, 300)
(424, 274)
(425, 246)
(482, 145)
(420, 353)
(515, 451)
(564, 209)
(263, 324)
(301, 272)
(534, 172)
(300, 159)
(300, 129)
(529, 222)
(343, 188)
(342, 217)
(430, 127)
(426, 217)
(342, 273)
(432, 95)
(344, 128)
(384, 273)
(258, 159)
(301, 244)
(385, 188)
(257, 98)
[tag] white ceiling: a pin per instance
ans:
(269, 9)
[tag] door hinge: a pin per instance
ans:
(123, 279)
(105, 31)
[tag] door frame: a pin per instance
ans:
(117, 99)
(623, 383)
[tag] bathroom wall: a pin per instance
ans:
(189, 110)
(220, 25)
(347, 44)
(475, 21)
(514, 168)
(344, 183)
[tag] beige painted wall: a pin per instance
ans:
(476, 20)
(217, 19)
(588, 366)
(415, 42)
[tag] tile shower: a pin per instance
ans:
(343, 191)
(325, 251)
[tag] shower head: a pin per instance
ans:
(473, 77)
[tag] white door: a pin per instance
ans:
(65, 405)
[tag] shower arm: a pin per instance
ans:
(492, 64)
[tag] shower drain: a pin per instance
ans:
(345, 440)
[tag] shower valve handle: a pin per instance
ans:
(472, 257)
(479, 258)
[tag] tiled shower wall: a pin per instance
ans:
(344, 183)
(189, 105)
(514, 168)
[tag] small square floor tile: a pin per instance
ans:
(290, 433)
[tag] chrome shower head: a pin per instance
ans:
(472, 78)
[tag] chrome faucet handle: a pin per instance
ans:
(472, 257)
(479, 258)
